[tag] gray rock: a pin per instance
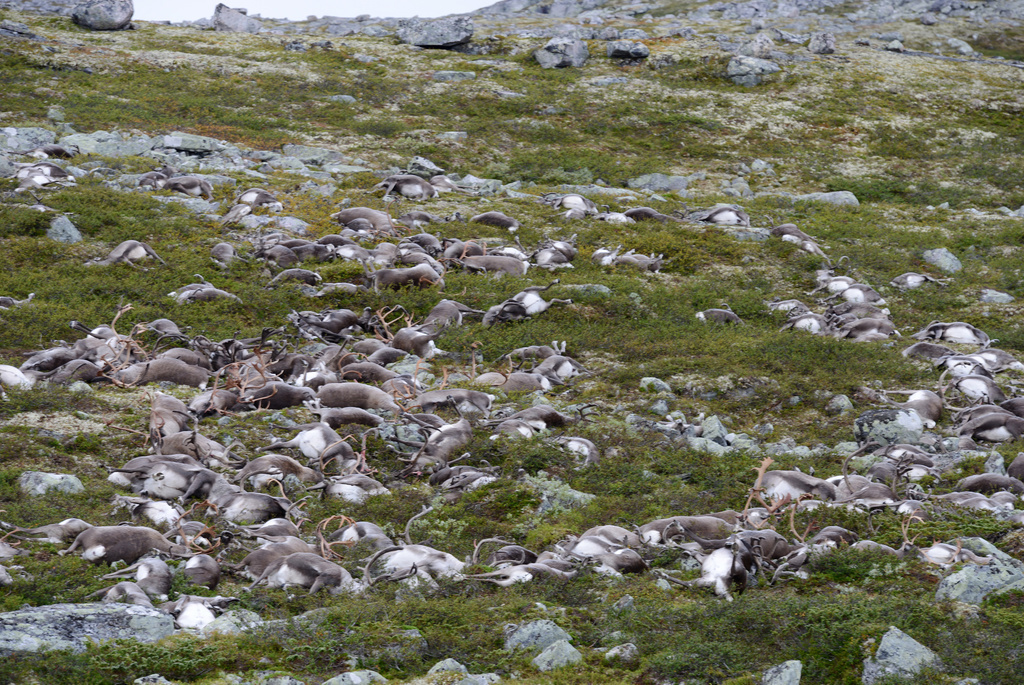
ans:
(7, 168)
(634, 34)
(989, 296)
(347, 99)
(660, 407)
(929, 19)
(356, 678)
(713, 429)
(898, 655)
(233, 21)
(450, 76)
(5, 577)
(108, 144)
(943, 259)
(624, 603)
(40, 483)
(753, 234)
(292, 224)
(421, 166)
(557, 655)
(607, 33)
(822, 44)
(189, 142)
(610, 81)
(972, 583)
(55, 113)
(448, 666)
(889, 427)
(627, 49)
(761, 47)
(152, 679)
(654, 384)
(453, 135)
(836, 197)
(895, 46)
(25, 138)
(63, 231)
(315, 155)
(233, 622)
(962, 47)
(627, 655)
(705, 445)
(838, 405)
(786, 673)
(589, 289)
(74, 626)
(561, 52)
(659, 183)
(104, 15)
(480, 679)
(447, 32)
(995, 464)
(744, 70)
(535, 636)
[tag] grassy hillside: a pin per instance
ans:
(904, 132)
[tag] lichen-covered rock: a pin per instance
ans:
(74, 626)
(836, 197)
(104, 15)
(233, 21)
(448, 666)
(189, 142)
(108, 144)
(40, 483)
(233, 622)
(357, 678)
(315, 155)
(822, 43)
(446, 32)
(557, 655)
(561, 52)
(627, 49)
(25, 138)
(744, 70)
(889, 427)
(535, 635)
(625, 655)
(898, 655)
(63, 231)
(973, 582)
(659, 183)
(989, 296)
(786, 673)
(943, 259)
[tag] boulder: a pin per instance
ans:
(25, 138)
(836, 197)
(227, 19)
(989, 296)
(188, 142)
(898, 655)
(450, 76)
(627, 49)
(74, 626)
(561, 52)
(760, 46)
(423, 167)
(63, 231)
(943, 259)
(535, 636)
(356, 678)
(972, 583)
(889, 427)
(786, 673)
(446, 32)
(822, 43)
(315, 155)
(659, 183)
(40, 483)
(626, 655)
(557, 655)
(448, 666)
(744, 70)
(108, 144)
(232, 622)
(104, 15)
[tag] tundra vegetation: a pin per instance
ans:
(931, 148)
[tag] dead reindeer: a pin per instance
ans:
(439, 447)
(167, 415)
(421, 276)
(107, 544)
(195, 444)
(158, 513)
(274, 548)
(307, 570)
(320, 444)
(56, 533)
(129, 252)
(262, 470)
(125, 592)
(152, 574)
(357, 395)
(724, 569)
(432, 400)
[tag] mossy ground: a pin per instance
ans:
(901, 132)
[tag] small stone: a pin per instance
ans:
(943, 259)
(40, 483)
(659, 183)
(660, 407)
(839, 405)
(55, 113)
(626, 655)
(450, 76)
(961, 47)
(63, 231)
(421, 166)
(589, 289)
(448, 666)
(625, 49)
(654, 384)
(928, 19)
(557, 655)
(744, 70)
(453, 135)
(786, 673)
(562, 52)
(837, 197)
(713, 429)
(153, 679)
(624, 603)
(898, 655)
(447, 32)
(895, 46)
(346, 99)
(822, 43)
(989, 296)
(536, 635)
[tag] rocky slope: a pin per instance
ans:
(863, 158)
